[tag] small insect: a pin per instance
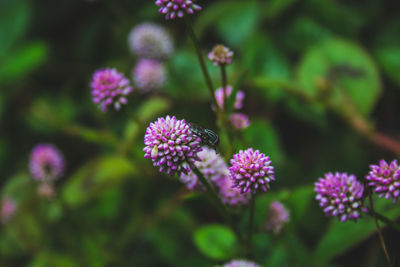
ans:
(208, 137)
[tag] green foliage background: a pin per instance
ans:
(113, 208)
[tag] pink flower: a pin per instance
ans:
(171, 146)
(176, 8)
(385, 179)
(46, 163)
(110, 87)
(340, 195)
(239, 121)
(251, 171)
(220, 55)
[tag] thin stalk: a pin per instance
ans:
(202, 62)
(251, 220)
(385, 219)
(224, 84)
(217, 200)
(381, 239)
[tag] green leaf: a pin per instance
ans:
(347, 68)
(152, 107)
(336, 240)
(22, 61)
(274, 8)
(387, 50)
(52, 258)
(216, 241)
(265, 60)
(234, 20)
(95, 177)
(14, 18)
(299, 200)
(179, 85)
(262, 135)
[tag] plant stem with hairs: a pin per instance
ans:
(202, 62)
(217, 200)
(372, 212)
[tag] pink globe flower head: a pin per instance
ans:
(177, 8)
(219, 96)
(149, 75)
(239, 121)
(171, 145)
(110, 87)
(46, 163)
(220, 55)
(211, 165)
(8, 208)
(149, 40)
(251, 171)
(385, 179)
(278, 215)
(340, 195)
(230, 194)
(241, 263)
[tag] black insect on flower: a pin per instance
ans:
(208, 137)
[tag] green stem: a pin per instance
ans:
(251, 218)
(202, 63)
(224, 84)
(385, 219)
(217, 200)
(381, 239)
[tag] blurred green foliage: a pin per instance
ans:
(304, 62)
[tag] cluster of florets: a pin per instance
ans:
(149, 75)
(241, 263)
(239, 121)
(384, 178)
(340, 195)
(46, 163)
(177, 8)
(109, 87)
(149, 40)
(278, 215)
(251, 171)
(220, 55)
(216, 172)
(230, 194)
(171, 145)
(211, 165)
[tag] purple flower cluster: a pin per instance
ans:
(220, 55)
(46, 163)
(385, 179)
(219, 96)
(251, 171)
(278, 215)
(151, 41)
(149, 74)
(241, 263)
(171, 145)
(110, 87)
(340, 195)
(215, 170)
(176, 8)
(230, 194)
(211, 165)
(239, 121)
